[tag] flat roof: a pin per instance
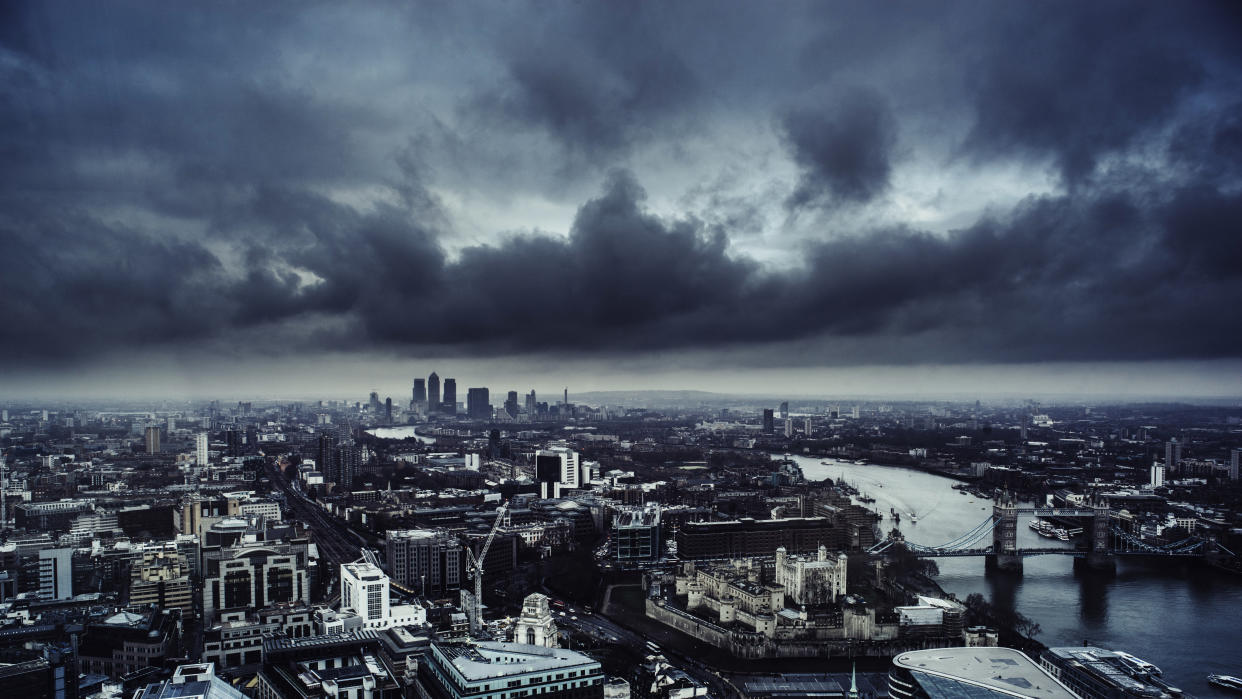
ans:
(1001, 670)
(491, 659)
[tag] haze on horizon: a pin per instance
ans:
(915, 198)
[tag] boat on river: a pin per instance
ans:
(1226, 682)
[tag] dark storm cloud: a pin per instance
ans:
(182, 179)
(842, 147)
(595, 80)
(1077, 86)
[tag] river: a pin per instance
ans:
(404, 432)
(1181, 616)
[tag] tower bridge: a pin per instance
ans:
(1106, 539)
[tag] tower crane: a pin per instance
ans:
(474, 567)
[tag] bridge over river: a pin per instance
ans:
(1107, 538)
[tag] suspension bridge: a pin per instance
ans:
(996, 538)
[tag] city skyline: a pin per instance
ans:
(921, 199)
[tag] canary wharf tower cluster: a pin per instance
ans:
(899, 338)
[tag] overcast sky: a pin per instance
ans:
(268, 196)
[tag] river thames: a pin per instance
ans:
(1179, 615)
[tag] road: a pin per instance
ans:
(604, 631)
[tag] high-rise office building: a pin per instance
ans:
(449, 406)
(769, 421)
(374, 402)
(511, 404)
(428, 561)
(388, 410)
(478, 404)
(433, 393)
(420, 390)
(784, 409)
(789, 427)
(153, 439)
(1234, 457)
(200, 449)
(531, 405)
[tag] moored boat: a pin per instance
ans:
(1226, 682)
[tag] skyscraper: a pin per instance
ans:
(1234, 457)
(531, 405)
(450, 405)
(784, 409)
(200, 448)
(478, 404)
(450, 397)
(769, 424)
(388, 410)
(420, 390)
(375, 403)
(511, 404)
(433, 393)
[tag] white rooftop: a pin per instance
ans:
(489, 659)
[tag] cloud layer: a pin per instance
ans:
(301, 179)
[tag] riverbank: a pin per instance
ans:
(1196, 604)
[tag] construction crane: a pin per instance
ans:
(474, 566)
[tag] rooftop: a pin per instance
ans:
(953, 672)
(489, 659)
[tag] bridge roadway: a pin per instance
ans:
(963, 553)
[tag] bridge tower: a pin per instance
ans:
(1100, 555)
(1004, 554)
